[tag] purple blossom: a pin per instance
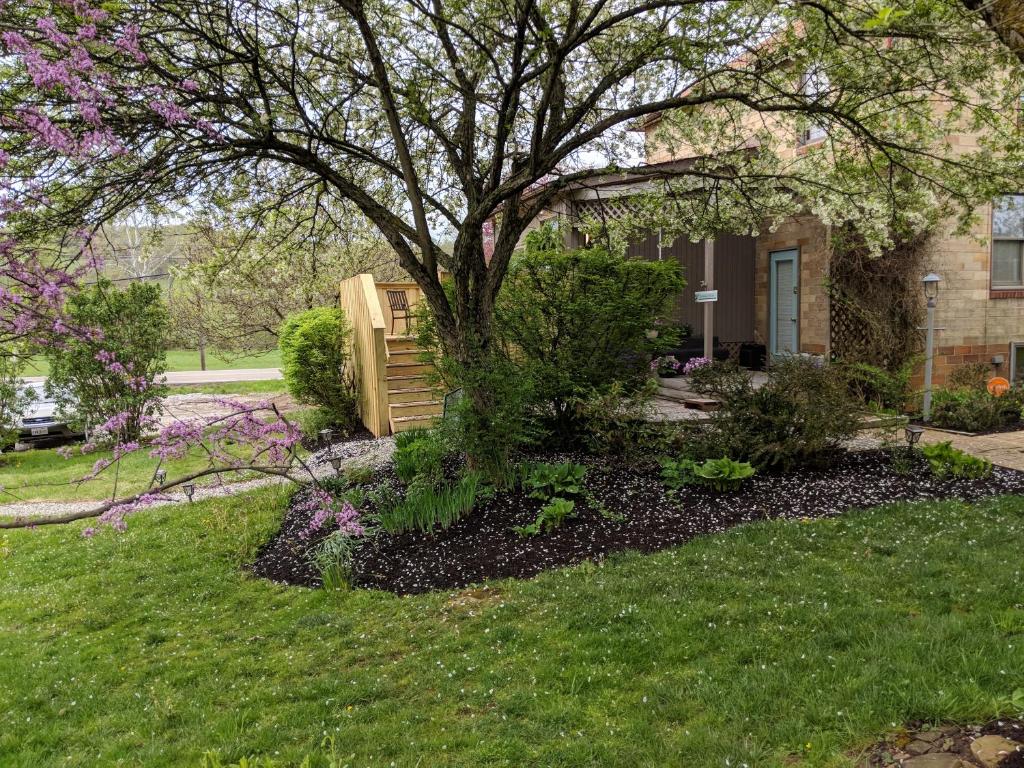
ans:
(695, 363)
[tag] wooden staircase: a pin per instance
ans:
(411, 401)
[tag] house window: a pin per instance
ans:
(1008, 242)
(815, 86)
(1017, 363)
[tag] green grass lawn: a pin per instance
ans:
(187, 360)
(771, 645)
(41, 474)
(272, 387)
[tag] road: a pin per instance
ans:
(209, 377)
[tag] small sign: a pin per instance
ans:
(998, 386)
(704, 297)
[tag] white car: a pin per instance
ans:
(39, 421)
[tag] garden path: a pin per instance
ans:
(1004, 449)
(354, 453)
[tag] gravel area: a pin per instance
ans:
(354, 453)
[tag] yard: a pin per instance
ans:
(187, 360)
(154, 646)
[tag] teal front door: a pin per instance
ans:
(784, 302)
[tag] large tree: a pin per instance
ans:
(432, 117)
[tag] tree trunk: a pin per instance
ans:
(1006, 18)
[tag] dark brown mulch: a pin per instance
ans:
(484, 546)
(954, 739)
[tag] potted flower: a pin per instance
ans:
(666, 366)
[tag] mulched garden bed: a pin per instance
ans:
(484, 546)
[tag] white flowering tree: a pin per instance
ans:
(433, 117)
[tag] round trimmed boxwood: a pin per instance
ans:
(314, 355)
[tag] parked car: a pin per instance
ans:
(39, 421)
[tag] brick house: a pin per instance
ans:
(772, 288)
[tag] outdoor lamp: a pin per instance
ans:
(931, 285)
(336, 463)
(326, 435)
(189, 489)
(160, 476)
(913, 434)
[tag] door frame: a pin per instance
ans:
(774, 257)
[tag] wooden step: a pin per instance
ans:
(405, 423)
(400, 343)
(404, 356)
(416, 408)
(410, 395)
(408, 369)
(689, 399)
(402, 382)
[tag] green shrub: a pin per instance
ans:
(975, 410)
(550, 517)
(720, 474)
(134, 324)
(971, 376)
(946, 461)
(576, 323)
(719, 378)
(426, 508)
(545, 481)
(619, 422)
(801, 416)
(314, 355)
(879, 388)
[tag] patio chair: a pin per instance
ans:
(399, 304)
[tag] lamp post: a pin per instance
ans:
(931, 293)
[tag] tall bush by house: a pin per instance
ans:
(314, 355)
(119, 389)
(576, 322)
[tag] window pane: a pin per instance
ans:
(815, 132)
(1008, 217)
(1017, 373)
(1006, 262)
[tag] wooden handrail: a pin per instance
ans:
(368, 350)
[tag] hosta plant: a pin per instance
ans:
(721, 474)
(551, 516)
(546, 481)
(946, 461)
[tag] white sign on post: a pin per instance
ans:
(705, 296)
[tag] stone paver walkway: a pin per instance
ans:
(1004, 449)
